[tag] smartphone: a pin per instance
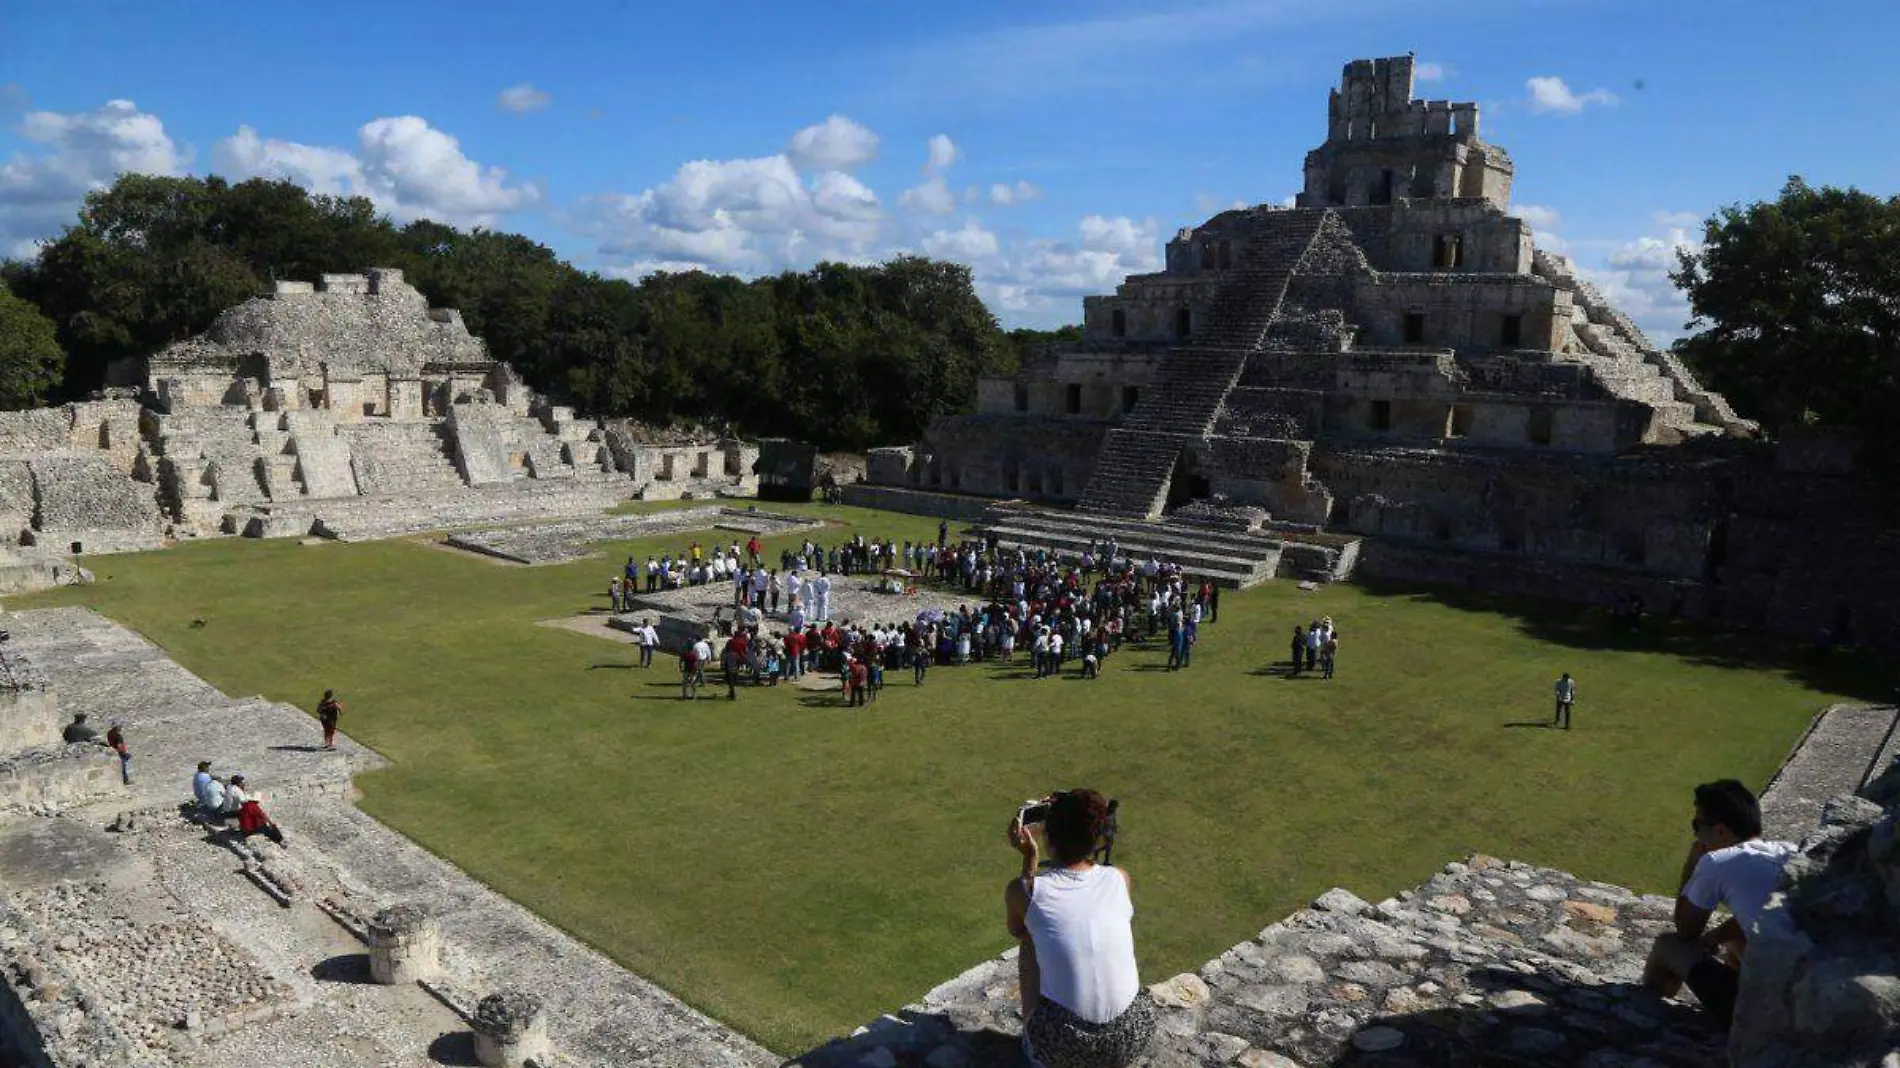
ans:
(1033, 813)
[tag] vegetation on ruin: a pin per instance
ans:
(843, 356)
(1798, 300)
(795, 868)
(30, 357)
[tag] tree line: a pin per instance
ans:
(843, 356)
(1796, 304)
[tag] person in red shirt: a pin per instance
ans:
(752, 549)
(859, 682)
(734, 658)
(795, 655)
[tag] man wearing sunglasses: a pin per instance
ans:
(1729, 864)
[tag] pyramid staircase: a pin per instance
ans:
(1136, 463)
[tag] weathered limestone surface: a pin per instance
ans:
(1488, 962)
(144, 944)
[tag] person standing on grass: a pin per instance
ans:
(328, 712)
(1298, 651)
(1566, 689)
(1328, 652)
(649, 641)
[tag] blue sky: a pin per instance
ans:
(1053, 147)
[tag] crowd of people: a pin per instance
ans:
(1058, 614)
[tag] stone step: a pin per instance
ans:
(1103, 527)
(1834, 757)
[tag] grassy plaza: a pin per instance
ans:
(794, 867)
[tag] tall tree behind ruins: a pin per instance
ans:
(1798, 300)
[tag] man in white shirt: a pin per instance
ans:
(1566, 691)
(1729, 864)
(649, 640)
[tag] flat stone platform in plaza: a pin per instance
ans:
(682, 615)
(577, 539)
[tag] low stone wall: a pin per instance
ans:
(918, 502)
(59, 776)
(29, 713)
(84, 499)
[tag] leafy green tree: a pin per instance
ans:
(1798, 299)
(30, 356)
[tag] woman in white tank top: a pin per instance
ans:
(1083, 1006)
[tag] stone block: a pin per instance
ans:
(510, 1030)
(404, 944)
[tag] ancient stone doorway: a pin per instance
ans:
(1187, 483)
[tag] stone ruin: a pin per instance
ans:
(129, 938)
(1394, 359)
(347, 408)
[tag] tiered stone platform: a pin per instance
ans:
(133, 937)
(553, 543)
(1230, 558)
(397, 515)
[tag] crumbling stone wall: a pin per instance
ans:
(1821, 987)
(84, 499)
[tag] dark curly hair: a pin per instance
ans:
(1076, 821)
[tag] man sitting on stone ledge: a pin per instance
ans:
(1729, 864)
(79, 730)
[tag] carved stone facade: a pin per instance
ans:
(1394, 357)
(345, 407)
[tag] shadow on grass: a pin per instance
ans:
(1544, 723)
(295, 748)
(610, 667)
(1861, 673)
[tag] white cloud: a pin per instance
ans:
(1550, 94)
(933, 197)
(972, 244)
(836, 144)
(523, 98)
(1432, 72)
(942, 153)
(1542, 219)
(745, 216)
(1677, 220)
(404, 165)
(1635, 279)
(1004, 193)
(84, 151)
(840, 196)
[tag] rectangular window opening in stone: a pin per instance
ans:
(1073, 399)
(1022, 397)
(1382, 194)
(1208, 260)
(1511, 333)
(1382, 415)
(1130, 394)
(1537, 427)
(1183, 322)
(1118, 323)
(1414, 328)
(1226, 257)
(1460, 424)
(1055, 481)
(1014, 478)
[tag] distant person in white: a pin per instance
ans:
(1729, 864)
(1083, 1006)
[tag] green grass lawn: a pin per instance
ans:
(793, 867)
